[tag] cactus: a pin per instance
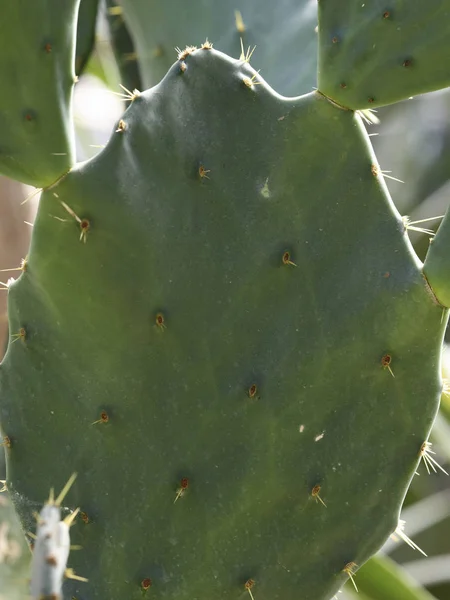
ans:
(86, 25)
(284, 35)
(36, 144)
(123, 48)
(14, 552)
(223, 328)
(372, 56)
(51, 548)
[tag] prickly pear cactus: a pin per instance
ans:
(283, 33)
(123, 47)
(86, 28)
(223, 329)
(37, 48)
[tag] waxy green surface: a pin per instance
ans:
(206, 253)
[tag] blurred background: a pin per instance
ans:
(412, 141)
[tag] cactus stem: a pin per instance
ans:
(250, 82)
(402, 535)
(429, 461)
(286, 259)
(104, 418)
(349, 569)
(315, 494)
(121, 126)
(246, 56)
(184, 484)
(84, 223)
(20, 335)
(182, 54)
(386, 363)
(248, 585)
(240, 25)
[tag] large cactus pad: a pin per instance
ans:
(223, 329)
(37, 47)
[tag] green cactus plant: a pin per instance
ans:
(86, 28)
(123, 48)
(284, 35)
(223, 329)
(36, 145)
(14, 552)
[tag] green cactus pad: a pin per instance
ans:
(284, 35)
(123, 48)
(372, 53)
(37, 45)
(229, 339)
(14, 553)
(437, 263)
(86, 29)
